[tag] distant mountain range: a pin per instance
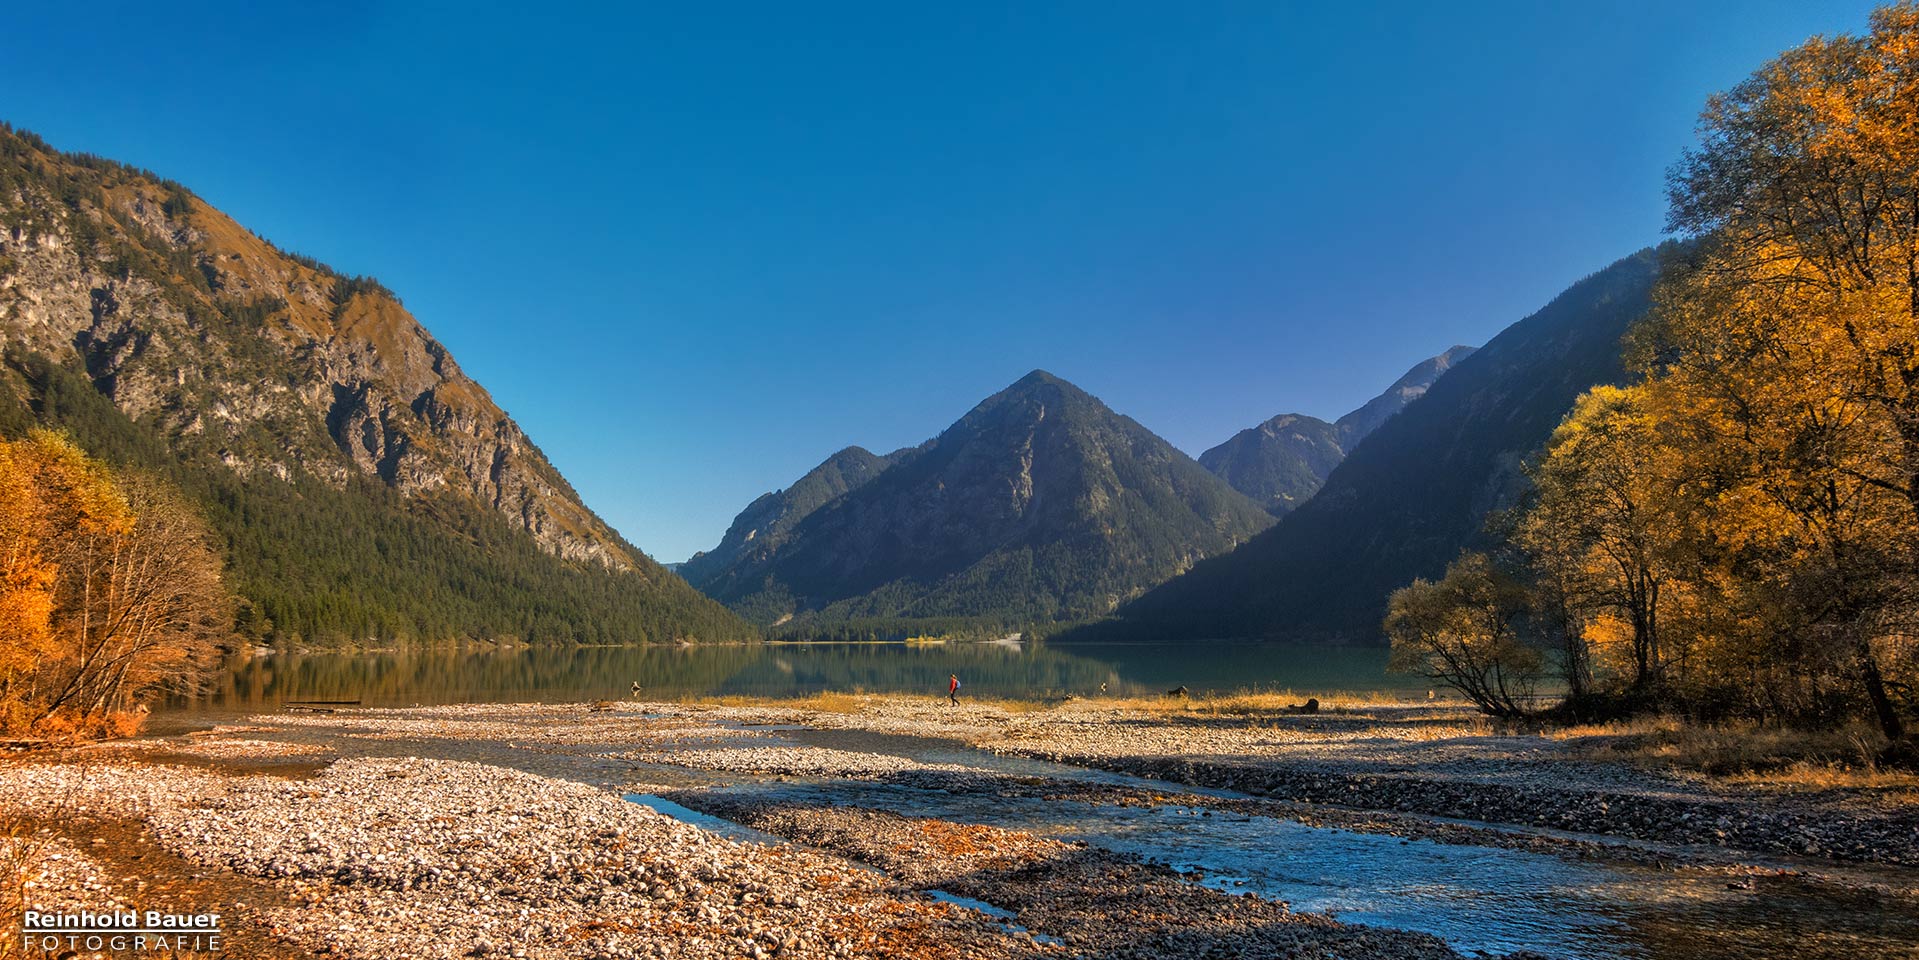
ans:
(1039, 505)
(366, 488)
(1285, 460)
(1406, 499)
(1043, 506)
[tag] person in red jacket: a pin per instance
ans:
(952, 689)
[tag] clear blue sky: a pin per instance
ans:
(696, 249)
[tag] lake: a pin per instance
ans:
(560, 674)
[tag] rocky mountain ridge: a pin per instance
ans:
(364, 488)
(1040, 504)
(1404, 502)
(763, 525)
(269, 360)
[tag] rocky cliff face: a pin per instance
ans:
(1040, 504)
(1285, 460)
(268, 361)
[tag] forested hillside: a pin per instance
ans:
(364, 488)
(1284, 461)
(1040, 505)
(1409, 496)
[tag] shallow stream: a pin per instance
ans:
(1476, 898)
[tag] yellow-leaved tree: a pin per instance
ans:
(1741, 524)
(109, 592)
(1607, 529)
(1463, 631)
(1786, 352)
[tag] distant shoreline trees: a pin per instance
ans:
(1737, 533)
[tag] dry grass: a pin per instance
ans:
(825, 702)
(1748, 754)
(1250, 704)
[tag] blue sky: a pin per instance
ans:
(694, 249)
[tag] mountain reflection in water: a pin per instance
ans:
(571, 674)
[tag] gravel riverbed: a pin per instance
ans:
(1421, 762)
(433, 858)
(500, 830)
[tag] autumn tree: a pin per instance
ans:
(1606, 529)
(109, 591)
(1784, 349)
(1464, 631)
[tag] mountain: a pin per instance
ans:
(365, 487)
(1360, 424)
(1283, 461)
(764, 523)
(1410, 496)
(1280, 462)
(1039, 505)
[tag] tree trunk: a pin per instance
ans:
(1888, 715)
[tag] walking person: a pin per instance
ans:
(952, 689)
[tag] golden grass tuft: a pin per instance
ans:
(1752, 755)
(829, 701)
(1257, 702)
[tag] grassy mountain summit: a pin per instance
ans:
(1408, 497)
(1285, 460)
(1041, 504)
(367, 489)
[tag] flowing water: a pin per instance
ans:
(1477, 898)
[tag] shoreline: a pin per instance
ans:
(339, 822)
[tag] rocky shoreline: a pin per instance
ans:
(1737, 824)
(501, 830)
(433, 858)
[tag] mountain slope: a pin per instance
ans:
(1359, 424)
(1406, 499)
(1279, 463)
(1285, 460)
(261, 374)
(1041, 504)
(764, 524)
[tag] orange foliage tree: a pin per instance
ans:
(109, 592)
(1744, 518)
(1785, 350)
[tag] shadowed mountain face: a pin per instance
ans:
(1040, 504)
(1285, 460)
(1360, 424)
(1407, 499)
(250, 369)
(765, 522)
